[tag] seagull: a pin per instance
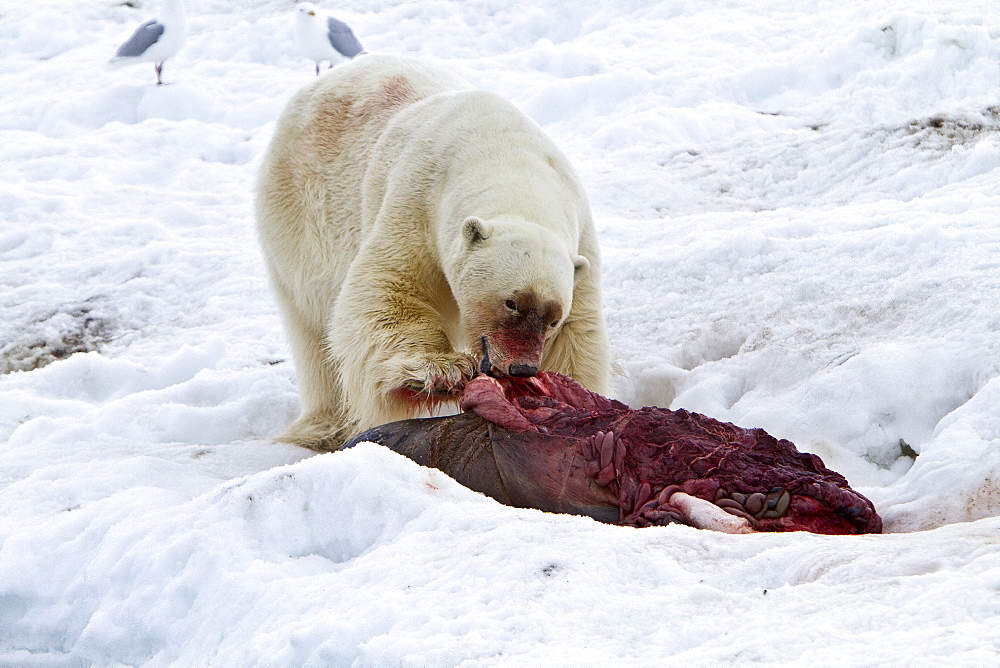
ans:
(324, 37)
(156, 39)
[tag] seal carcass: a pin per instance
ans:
(546, 442)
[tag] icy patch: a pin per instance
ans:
(808, 166)
(56, 335)
(945, 132)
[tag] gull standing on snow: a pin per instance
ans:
(156, 39)
(324, 37)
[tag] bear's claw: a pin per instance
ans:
(436, 390)
(440, 378)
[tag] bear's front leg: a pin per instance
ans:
(581, 351)
(394, 358)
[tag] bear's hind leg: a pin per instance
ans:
(324, 424)
(318, 431)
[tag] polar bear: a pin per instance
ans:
(417, 231)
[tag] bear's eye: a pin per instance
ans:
(511, 304)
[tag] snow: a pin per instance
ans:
(799, 210)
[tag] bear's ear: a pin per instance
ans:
(475, 230)
(580, 264)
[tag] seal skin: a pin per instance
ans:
(548, 443)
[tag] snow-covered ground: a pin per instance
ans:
(799, 206)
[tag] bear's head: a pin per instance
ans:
(513, 282)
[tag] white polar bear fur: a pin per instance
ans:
(401, 214)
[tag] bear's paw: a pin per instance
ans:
(437, 378)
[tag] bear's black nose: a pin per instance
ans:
(523, 370)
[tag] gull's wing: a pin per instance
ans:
(144, 37)
(342, 38)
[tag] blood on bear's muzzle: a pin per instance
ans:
(498, 364)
